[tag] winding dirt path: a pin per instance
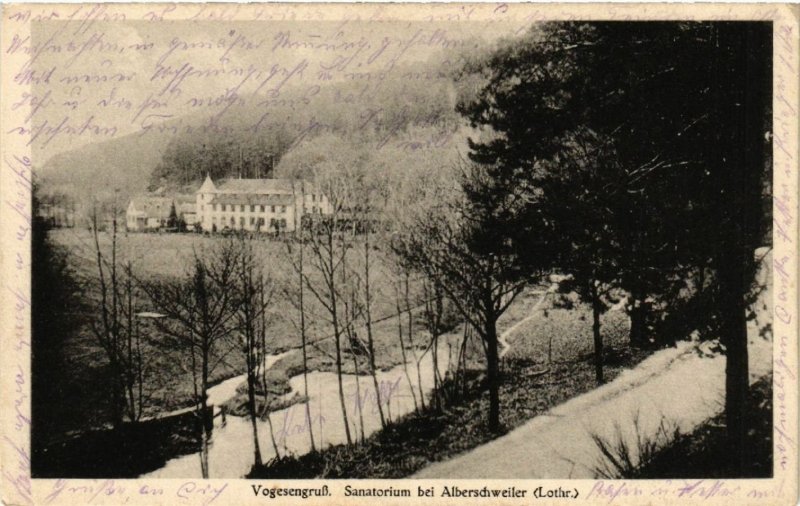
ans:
(503, 338)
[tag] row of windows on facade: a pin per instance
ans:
(273, 223)
(224, 207)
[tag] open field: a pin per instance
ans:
(169, 384)
(158, 256)
(566, 333)
(162, 256)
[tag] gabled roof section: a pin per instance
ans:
(207, 186)
(257, 186)
(248, 199)
(153, 207)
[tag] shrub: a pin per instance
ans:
(621, 460)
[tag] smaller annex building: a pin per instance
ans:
(152, 212)
(147, 213)
(257, 205)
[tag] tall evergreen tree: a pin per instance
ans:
(681, 110)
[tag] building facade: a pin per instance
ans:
(257, 205)
(147, 213)
(152, 212)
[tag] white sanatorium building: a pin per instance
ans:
(266, 205)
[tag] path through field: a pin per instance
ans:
(503, 339)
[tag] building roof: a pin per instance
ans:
(257, 186)
(152, 207)
(184, 199)
(186, 207)
(263, 199)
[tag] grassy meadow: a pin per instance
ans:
(156, 256)
(169, 386)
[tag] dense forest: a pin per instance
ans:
(409, 109)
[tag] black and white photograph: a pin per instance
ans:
(276, 247)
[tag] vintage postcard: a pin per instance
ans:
(478, 253)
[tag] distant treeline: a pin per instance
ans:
(373, 114)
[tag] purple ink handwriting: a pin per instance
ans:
(295, 421)
(204, 493)
(611, 492)
(119, 492)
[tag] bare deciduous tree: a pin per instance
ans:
(328, 243)
(298, 264)
(368, 217)
(117, 330)
(253, 292)
(200, 312)
(466, 241)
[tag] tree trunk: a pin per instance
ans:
(493, 376)
(598, 339)
(419, 384)
(303, 342)
(118, 397)
(338, 338)
(198, 407)
(204, 414)
(130, 371)
(748, 110)
(203, 445)
(370, 339)
(403, 349)
(268, 417)
(462, 361)
(734, 337)
(140, 371)
(637, 333)
(411, 341)
(638, 315)
(204, 384)
(434, 309)
(435, 363)
(359, 400)
(251, 404)
(108, 334)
